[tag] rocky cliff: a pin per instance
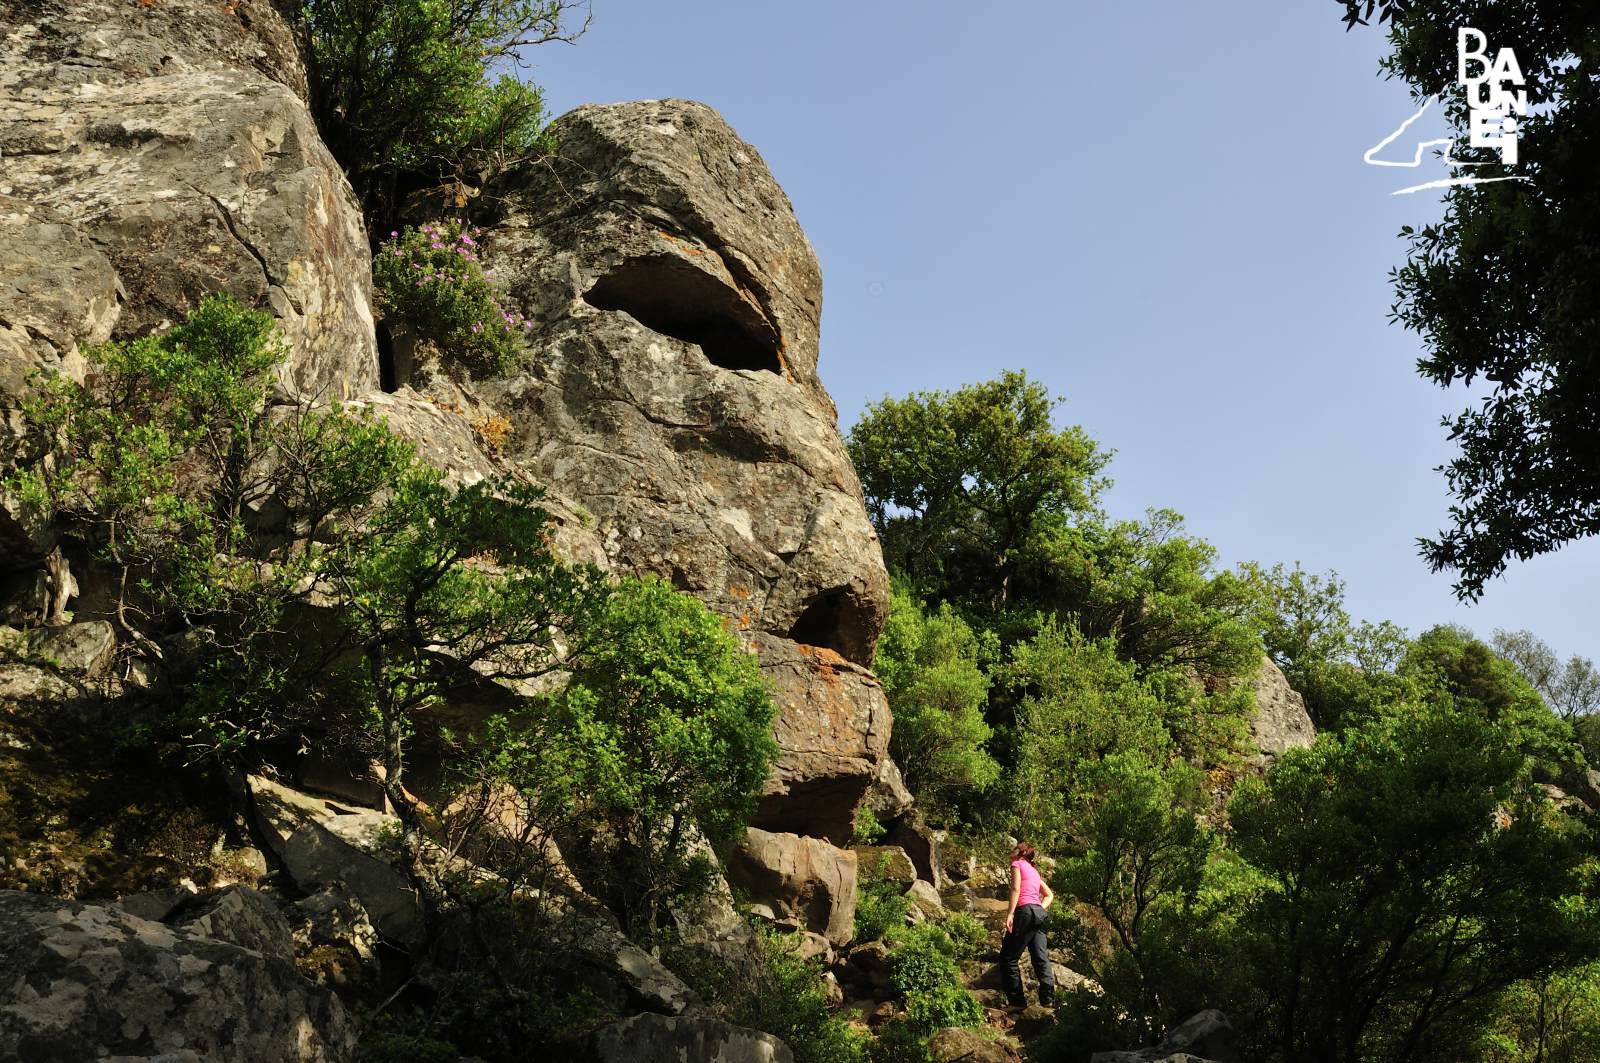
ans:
(671, 404)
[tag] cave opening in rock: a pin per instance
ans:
(835, 621)
(668, 295)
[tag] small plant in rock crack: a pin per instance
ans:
(431, 279)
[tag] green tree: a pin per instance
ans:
(1450, 661)
(668, 725)
(1077, 704)
(1502, 289)
(1338, 665)
(961, 485)
(1157, 592)
(1571, 689)
(1416, 874)
(1143, 851)
(403, 93)
(933, 671)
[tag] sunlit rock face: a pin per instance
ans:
(673, 401)
(154, 154)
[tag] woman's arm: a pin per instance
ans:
(1016, 895)
(1046, 894)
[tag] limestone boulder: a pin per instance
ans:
(803, 883)
(83, 981)
(649, 1038)
(1278, 721)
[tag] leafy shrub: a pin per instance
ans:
(785, 997)
(866, 830)
(933, 671)
(923, 959)
(924, 969)
(667, 725)
(944, 1005)
(431, 279)
(881, 907)
(404, 1048)
(966, 932)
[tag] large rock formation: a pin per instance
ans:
(84, 981)
(671, 404)
(672, 408)
(673, 399)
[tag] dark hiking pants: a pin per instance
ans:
(1027, 932)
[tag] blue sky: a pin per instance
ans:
(1159, 209)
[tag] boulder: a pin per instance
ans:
(955, 1045)
(885, 862)
(956, 862)
(926, 899)
(85, 649)
(800, 882)
(1206, 1037)
(888, 797)
(156, 905)
(621, 971)
(832, 729)
(83, 981)
(350, 849)
(1279, 721)
(921, 843)
(240, 916)
(334, 941)
(651, 1038)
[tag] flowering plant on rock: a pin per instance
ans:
(431, 279)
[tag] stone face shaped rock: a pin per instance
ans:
(675, 394)
(81, 981)
(802, 882)
(154, 154)
(1279, 721)
(649, 1038)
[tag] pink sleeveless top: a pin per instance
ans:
(1029, 893)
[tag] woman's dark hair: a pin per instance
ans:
(1024, 851)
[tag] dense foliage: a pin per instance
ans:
(406, 92)
(1401, 890)
(1502, 290)
(290, 576)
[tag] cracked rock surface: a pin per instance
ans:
(156, 156)
(84, 981)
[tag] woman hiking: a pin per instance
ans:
(1030, 896)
